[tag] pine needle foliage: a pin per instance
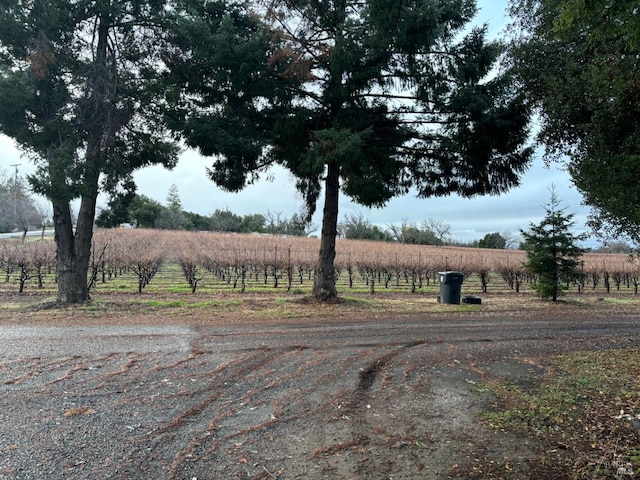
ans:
(553, 254)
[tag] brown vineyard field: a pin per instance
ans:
(132, 260)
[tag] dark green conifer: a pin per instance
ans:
(368, 98)
(553, 255)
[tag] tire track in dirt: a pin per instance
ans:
(253, 395)
(255, 401)
(272, 396)
(361, 429)
(287, 402)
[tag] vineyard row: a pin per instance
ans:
(285, 262)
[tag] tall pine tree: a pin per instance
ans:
(370, 98)
(79, 82)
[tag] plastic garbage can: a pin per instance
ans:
(450, 287)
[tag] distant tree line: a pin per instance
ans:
(143, 212)
(427, 232)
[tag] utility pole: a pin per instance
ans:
(15, 191)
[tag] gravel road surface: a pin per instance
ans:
(390, 398)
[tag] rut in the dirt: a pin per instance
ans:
(368, 376)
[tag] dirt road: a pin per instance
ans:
(297, 400)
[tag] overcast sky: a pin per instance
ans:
(469, 219)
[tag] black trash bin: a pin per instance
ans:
(450, 287)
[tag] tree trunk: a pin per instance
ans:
(70, 288)
(324, 285)
(73, 250)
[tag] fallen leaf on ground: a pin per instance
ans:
(79, 411)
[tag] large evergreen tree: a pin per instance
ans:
(172, 216)
(80, 94)
(578, 63)
(367, 97)
(553, 254)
